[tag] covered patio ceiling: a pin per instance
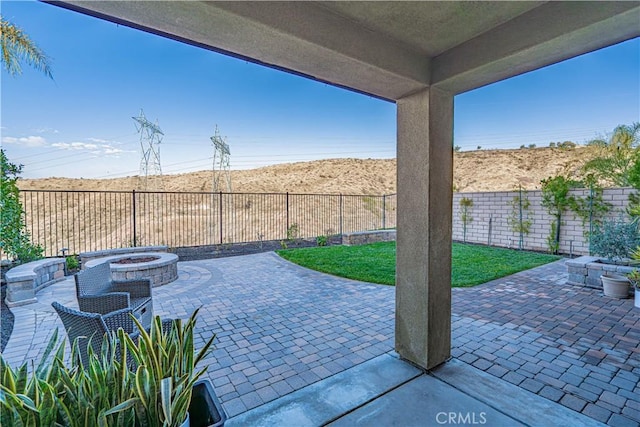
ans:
(386, 49)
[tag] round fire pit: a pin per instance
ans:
(160, 267)
(130, 260)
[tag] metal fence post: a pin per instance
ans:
(220, 217)
(287, 203)
(591, 195)
(341, 212)
(384, 211)
(133, 211)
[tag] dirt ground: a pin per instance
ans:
(482, 170)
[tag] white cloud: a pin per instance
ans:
(98, 140)
(109, 151)
(74, 146)
(47, 130)
(93, 148)
(29, 141)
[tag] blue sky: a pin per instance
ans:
(80, 123)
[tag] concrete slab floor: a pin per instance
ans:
(326, 400)
(425, 401)
(387, 391)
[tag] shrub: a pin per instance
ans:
(617, 155)
(567, 145)
(519, 219)
(466, 204)
(15, 240)
(615, 239)
(72, 262)
(293, 231)
(556, 198)
(321, 240)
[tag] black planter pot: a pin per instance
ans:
(205, 410)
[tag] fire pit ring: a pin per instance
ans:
(160, 267)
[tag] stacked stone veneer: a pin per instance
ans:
(587, 271)
(87, 257)
(491, 211)
(160, 271)
(24, 281)
(365, 237)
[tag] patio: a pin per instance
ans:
(281, 328)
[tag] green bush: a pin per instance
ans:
(72, 262)
(615, 239)
(321, 240)
(466, 205)
(293, 232)
(15, 241)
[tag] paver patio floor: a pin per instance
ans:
(281, 328)
(568, 344)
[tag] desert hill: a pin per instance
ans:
(482, 170)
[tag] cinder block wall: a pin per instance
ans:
(490, 212)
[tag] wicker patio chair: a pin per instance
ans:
(97, 292)
(90, 328)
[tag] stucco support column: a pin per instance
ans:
(424, 215)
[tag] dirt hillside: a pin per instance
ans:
(482, 170)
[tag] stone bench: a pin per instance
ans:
(24, 281)
(364, 237)
(87, 257)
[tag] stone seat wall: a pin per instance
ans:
(24, 281)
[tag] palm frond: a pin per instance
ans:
(16, 47)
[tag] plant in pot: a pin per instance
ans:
(634, 277)
(145, 380)
(614, 240)
(165, 375)
(53, 393)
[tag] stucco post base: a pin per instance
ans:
(425, 180)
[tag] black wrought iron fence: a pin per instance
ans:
(92, 220)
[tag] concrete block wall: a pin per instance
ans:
(364, 237)
(490, 213)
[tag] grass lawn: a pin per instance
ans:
(376, 263)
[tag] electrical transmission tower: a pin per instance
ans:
(221, 165)
(150, 138)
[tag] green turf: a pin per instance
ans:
(376, 263)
